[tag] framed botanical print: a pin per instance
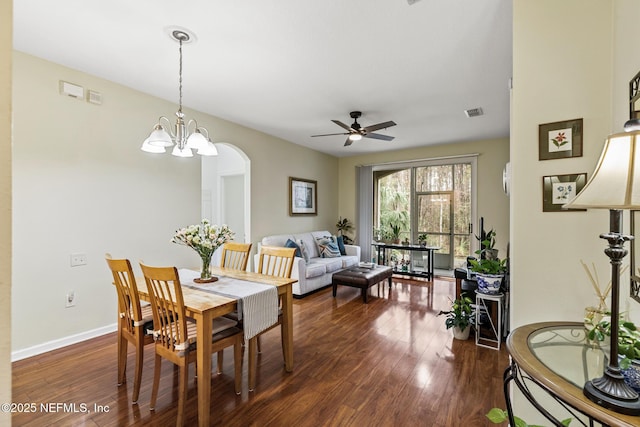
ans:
(560, 140)
(557, 190)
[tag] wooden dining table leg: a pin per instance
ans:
(253, 346)
(287, 328)
(204, 329)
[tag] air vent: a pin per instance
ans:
(94, 97)
(474, 112)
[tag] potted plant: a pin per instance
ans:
(422, 239)
(628, 347)
(487, 244)
(489, 274)
(395, 233)
(459, 318)
(488, 267)
(344, 226)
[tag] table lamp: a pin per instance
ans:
(614, 185)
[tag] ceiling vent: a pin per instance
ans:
(474, 112)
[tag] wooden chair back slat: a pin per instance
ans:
(167, 303)
(276, 261)
(235, 255)
(127, 291)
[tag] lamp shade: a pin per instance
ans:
(197, 140)
(159, 137)
(355, 137)
(208, 150)
(151, 148)
(615, 183)
(185, 152)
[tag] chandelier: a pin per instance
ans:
(183, 137)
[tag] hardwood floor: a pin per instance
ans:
(390, 362)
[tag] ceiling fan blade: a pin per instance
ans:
(348, 142)
(332, 134)
(374, 128)
(379, 136)
(342, 125)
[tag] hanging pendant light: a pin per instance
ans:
(165, 135)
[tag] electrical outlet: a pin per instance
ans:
(71, 299)
(78, 259)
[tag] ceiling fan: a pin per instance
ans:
(357, 132)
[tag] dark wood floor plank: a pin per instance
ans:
(388, 362)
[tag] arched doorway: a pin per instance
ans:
(226, 190)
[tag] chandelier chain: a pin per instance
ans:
(180, 77)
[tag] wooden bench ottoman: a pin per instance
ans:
(361, 277)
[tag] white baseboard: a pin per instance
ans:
(62, 342)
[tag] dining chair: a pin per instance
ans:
(175, 334)
(235, 255)
(272, 261)
(134, 320)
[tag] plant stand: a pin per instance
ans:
(493, 334)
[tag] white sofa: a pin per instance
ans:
(318, 271)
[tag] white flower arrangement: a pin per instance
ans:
(204, 238)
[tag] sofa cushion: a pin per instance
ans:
(304, 251)
(332, 264)
(277, 240)
(315, 269)
(349, 261)
(309, 243)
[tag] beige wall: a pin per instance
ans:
(558, 75)
(571, 59)
(6, 30)
(493, 204)
(273, 161)
(81, 184)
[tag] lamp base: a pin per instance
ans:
(625, 401)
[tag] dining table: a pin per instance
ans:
(205, 306)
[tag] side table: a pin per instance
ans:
(483, 305)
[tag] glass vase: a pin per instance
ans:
(205, 271)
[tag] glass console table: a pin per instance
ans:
(427, 271)
(558, 358)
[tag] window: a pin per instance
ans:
(431, 198)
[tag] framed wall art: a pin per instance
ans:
(560, 140)
(303, 197)
(558, 190)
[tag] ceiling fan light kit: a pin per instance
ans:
(356, 132)
(165, 135)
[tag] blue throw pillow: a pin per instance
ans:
(291, 244)
(340, 241)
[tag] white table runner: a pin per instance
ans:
(257, 303)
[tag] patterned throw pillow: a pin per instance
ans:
(327, 247)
